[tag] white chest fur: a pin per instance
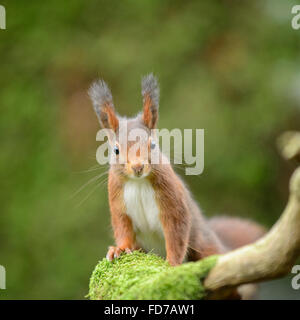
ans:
(142, 208)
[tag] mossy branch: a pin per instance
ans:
(146, 276)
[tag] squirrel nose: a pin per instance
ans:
(138, 169)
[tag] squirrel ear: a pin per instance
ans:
(103, 105)
(150, 93)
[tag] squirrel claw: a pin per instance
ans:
(128, 251)
(115, 252)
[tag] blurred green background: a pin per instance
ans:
(230, 67)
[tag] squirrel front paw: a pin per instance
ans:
(115, 252)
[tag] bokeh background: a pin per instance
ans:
(230, 67)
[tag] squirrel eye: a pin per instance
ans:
(153, 144)
(116, 150)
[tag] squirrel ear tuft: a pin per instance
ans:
(103, 105)
(150, 93)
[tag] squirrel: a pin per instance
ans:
(151, 207)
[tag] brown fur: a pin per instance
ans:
(150, 114)
(108, 117)
(236, 232)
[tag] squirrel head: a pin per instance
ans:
(132, 141)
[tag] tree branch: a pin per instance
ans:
(273, 255)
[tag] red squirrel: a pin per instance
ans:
(151, 208)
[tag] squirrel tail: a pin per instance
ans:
(236, 232)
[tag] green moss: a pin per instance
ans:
(146, 276)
